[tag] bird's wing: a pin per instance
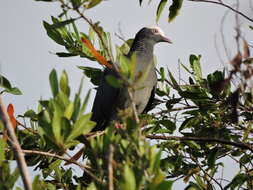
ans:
(149, 106)
(105, 103)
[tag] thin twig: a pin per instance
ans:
(227, 52)
(176, 109)
(206, 173)
(110, 168)
(94, 134)
(120, 37)
(225, 5)
(166, 80)
(19, 155)
(83, 167)
(237, 28)
(97, 32)
(92, 26)
(202, 139)
(27, 128)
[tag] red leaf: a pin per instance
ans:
(10, 110)
(75, 157)
(246, 51)
(96, 54)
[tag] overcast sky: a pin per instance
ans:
(25, 57)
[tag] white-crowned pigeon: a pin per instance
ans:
(109, 100)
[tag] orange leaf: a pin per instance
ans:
(96, 54)
(10, 110)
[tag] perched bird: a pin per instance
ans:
(109, 100)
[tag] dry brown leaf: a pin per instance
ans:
(237, 60)
(246, 51)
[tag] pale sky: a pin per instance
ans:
(25, 57)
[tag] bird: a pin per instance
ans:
(109, 100)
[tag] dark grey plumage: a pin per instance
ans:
(109, 100)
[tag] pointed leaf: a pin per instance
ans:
(174, 9)
(69, 111)
(96, 54)
(61, 24)
(160, 9)
(64, 83)
(82, 126)
(53, 82)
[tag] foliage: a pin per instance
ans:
(6, 85)
(211, 116)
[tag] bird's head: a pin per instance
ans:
(153, 34)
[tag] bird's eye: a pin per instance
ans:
(155, 31)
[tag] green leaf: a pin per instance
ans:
(124, 48)
(212, 157)
(76, 3)
(174, 82)
(155, 158)
(171, 126)
(196, 67)
(124, 65)
(53, 82)
(13, 177)
(189, 123)
(76, 31)
(185, 68)
(93, 73)
(61, 23)
(2, 150)
(63, 54)
(54, 34)
(160, 9)
(69, 111)
(237, 181)
(165, 185)
(200, 182)
(64, 82)
(129, 179)
(193, 145)
(4, 82)
(162, 73)
(85, 102)
(30, 114)
(114, 82)
(56, 125)
(92, 4)
(82, 126)
(174, 9)
(14, 91)
(245, 159)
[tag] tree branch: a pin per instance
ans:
(92, 26)
(83, 167)
(225, 5)
(110, 168)
(202, 139)
(19, 156)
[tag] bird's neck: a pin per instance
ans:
(142, 47)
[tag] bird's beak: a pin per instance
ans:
(165, 39)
